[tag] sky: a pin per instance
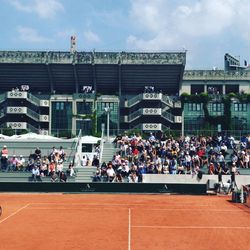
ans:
(206, 29)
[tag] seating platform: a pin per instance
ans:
(26, 177)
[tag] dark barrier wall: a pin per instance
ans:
(104, 187)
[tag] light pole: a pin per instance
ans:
(107, 111)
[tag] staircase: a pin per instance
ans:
(84, 174)
(108, 152)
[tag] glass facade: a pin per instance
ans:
(84, 108)
(193, 116)
(215, 109)
(240, 116)
(85, 125)
(61, 118)
(113, 116)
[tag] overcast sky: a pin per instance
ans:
(207, 29)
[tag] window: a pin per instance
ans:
(84, 107)
(240, 107)
(194, 106)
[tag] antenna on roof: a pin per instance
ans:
(73, 44)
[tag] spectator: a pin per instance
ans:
(38, 153)
(95, 161)
(70, 171)
(110, 172)
(133, 178)
(84, 161)
(63, 177)
(44, 168)
(52, 167)
(62, 153)
(98, 174)
(35, 174)
(4, 158)
(20, 163)
(12, 164)
(54, 177)
(118, 178)
(59, 167)
(30, 164)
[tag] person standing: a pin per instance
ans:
(4, 158)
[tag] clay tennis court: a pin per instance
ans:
(127, 221)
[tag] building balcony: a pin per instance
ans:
(26, 111)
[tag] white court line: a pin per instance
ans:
(146, 209)
(191, 227)
(14, 213)
(76, 208)
(120, 204)
(129, 228)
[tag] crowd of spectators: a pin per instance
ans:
(161, 154)
(39, 165)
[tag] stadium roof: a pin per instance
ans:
(107, 72)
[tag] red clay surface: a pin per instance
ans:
(133, 222)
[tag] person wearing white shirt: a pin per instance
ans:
(35, 173)
(84, 161)
(110, 172)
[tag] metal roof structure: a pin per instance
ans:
(117, 73)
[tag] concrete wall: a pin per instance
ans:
(189, 179)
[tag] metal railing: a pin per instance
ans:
(166, 99)
(33, 99)
(135, 115)
(101, 146)
(168, 116)
(134, 100)
(32, 114)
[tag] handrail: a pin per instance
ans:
(33, 99)
(2, 97)
(76, 147)
(33, 114)
(135, 115)
(166, 99)
(134, 100)
(168, 116)
(101, 146)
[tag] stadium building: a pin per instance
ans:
(60, 93)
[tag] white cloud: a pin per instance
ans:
(91, 37)
(30, 35)
(149, 14)
(187, 21)
(43, 8)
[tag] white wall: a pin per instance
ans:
(182, 178)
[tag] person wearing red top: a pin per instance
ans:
(4, 158)
(201, 153)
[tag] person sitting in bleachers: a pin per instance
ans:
(110, 172)
(62, 153)
(52, 167)
(20, 163)
(84, 161)
(59, 166)
(95, 161)
(35, 174)
(38, 153)
(70, 171)
(44, 168)
(133, 178)
(98, 175)
(30, 164)
(12, 164)
(63, 177)
(54, 177)
(52, 153)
